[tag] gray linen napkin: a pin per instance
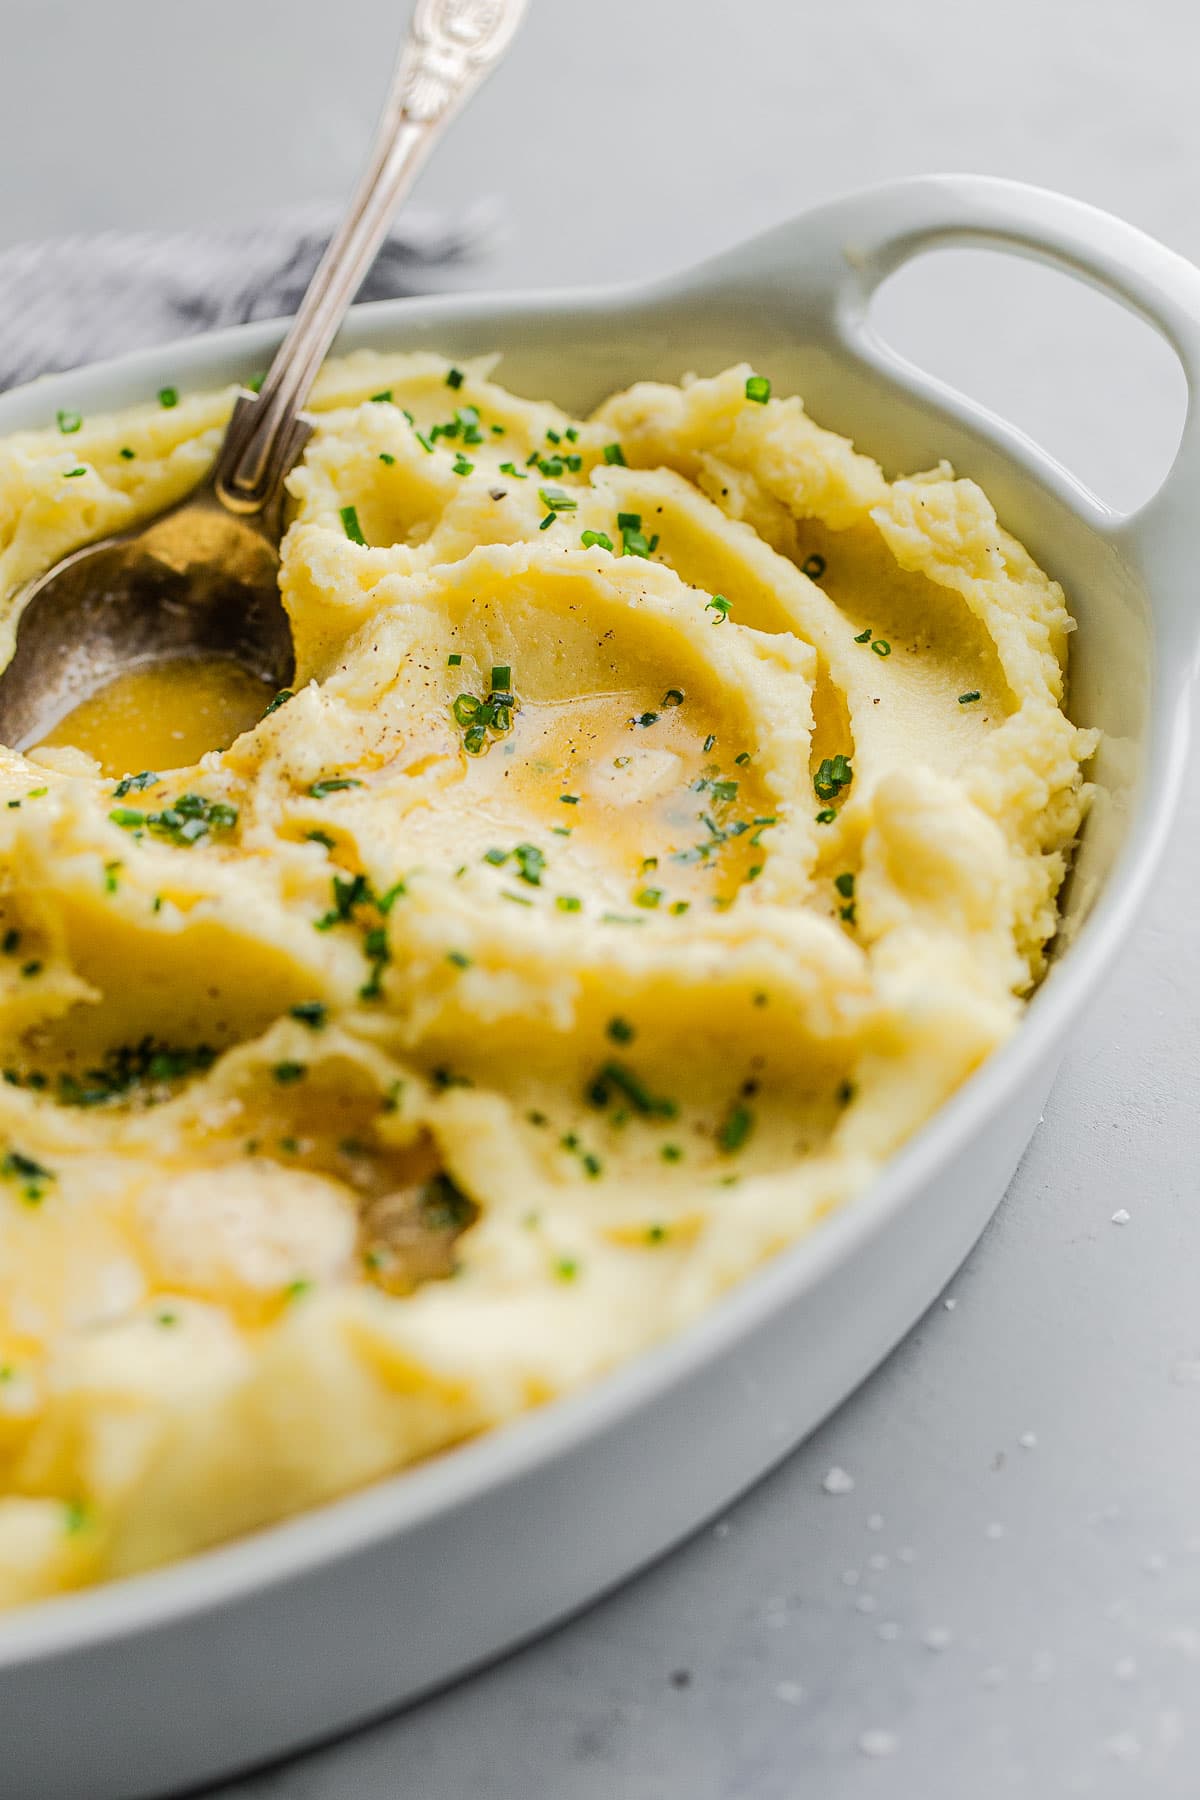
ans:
(76, 300)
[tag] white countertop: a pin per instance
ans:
(1008, 1601)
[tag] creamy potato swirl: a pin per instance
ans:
(668, 815)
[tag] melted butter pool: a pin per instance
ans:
(646, 792)
(163, 715)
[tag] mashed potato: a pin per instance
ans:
(668, 815)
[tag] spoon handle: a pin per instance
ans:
(452, 45)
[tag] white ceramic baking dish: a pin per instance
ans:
(237, 1655)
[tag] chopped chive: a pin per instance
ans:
(454, 378)
(69, 422)
(126, 454)
(557, 499)
(881, 647)
(620, 1030)
(385, 456)
(350, 524)
(569, 799)
(966, 699)
(845, 885)
(78, 470)
(460, 465)
(281, 699)
(384, 394)
(332, 784)
(168, 397)
(312, 1013)
(600, 538)
(833, 774)
(758, 388)
(672, 697)
(459, 958)
(501, 677)
(285, 1073)
(614, 454)
(813, 566)
(735, 1129)
(568, 903)
(648, 898)
(454, 659)
(546, 522)
(619, 1078)
(826, 816)
(507, 468)
(721, 606)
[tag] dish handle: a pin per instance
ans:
(865, 238)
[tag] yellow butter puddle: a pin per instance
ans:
(163, 715)
(647, 790)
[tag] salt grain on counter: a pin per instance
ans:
(906, 1554)
(790, 1692)
(877, 1561)
(937, 1638)
(1028, 1440)
(866, 1603)
(878, 1743)
(875, 1522)
(1125, 1669)
(950, 1304)
(1121, 1216)
(994, 1530)
(838, 1482)
(1125, 1747)
(889, 1631)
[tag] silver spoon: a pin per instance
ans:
(202, 578)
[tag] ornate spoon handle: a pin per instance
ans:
(452, 45)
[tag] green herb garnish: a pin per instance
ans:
(735, 1128)
(312, 1013)
(333, 784)
(833, 774)
(619, 1078)
(350, 524)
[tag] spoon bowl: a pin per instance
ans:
(197, 582)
